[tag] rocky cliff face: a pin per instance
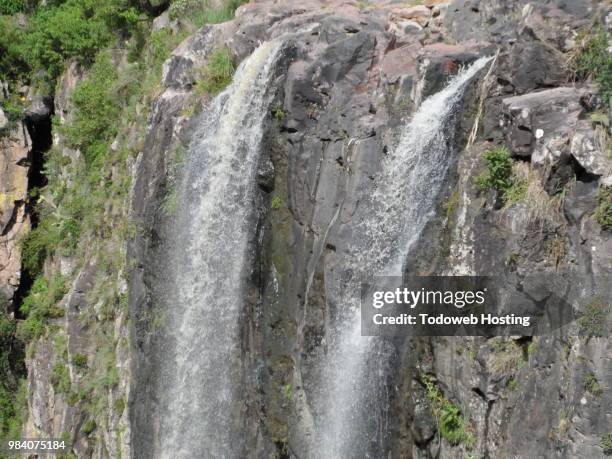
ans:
(352, 73)
(357, 71)
(15, 220)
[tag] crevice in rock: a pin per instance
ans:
(40, 131)
(582, 175)
(478, 392)
(524, 343)
(485, 432)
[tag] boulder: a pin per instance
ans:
(533, 120)
(548, 128)
(161, 22)
(532, 66)
(178, 70)
(39, 107)
(400, 62)
(587, 147)
(420, 14)
(3, 119)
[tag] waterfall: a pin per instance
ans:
(203, 412)
(353, 398)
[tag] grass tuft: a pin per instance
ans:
(592, 386)
(606, 443)
(592, 320)
(591, 60)
(603, 214)
(217, 73)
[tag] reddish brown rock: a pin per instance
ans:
(14, 220)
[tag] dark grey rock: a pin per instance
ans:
(40, 107)
(534, 66)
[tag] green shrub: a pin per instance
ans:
(278, 113)
(119, 406)
(89, 427)
(69, 210)
(512, 384)
(217, 73)
(606, 443)
(39, 304)
(60, 378)
(107, 374)
(12, 109)
(79, 361)
(160, 46)
(38, 244)
(499, 174)
(603, 214)
(276, 203)
(13, 63)
(592, 386)
(288, 389)
(66, 31)
(593, 61)
(75, 29)
(11, 6)
(453, 426)
(13, 410)
(11, 406)
(593, 319)
(180, 8)
(531, 348)
(97, 112)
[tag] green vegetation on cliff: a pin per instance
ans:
(499, 176)
(12, 390)
(452, 425)
(592, 60)
(41, 304)
(217, 74)
(603, 214)
(606, 443)
(592, 320)
(58, 31)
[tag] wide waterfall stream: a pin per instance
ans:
(354, 401)
(202, 410)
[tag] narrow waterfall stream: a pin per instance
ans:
(202, 407)
(352, 396)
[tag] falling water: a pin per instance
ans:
(203, 414)
(405, 198)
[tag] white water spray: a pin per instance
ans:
(202, 408)
(404, 201)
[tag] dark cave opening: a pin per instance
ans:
(582, 175)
